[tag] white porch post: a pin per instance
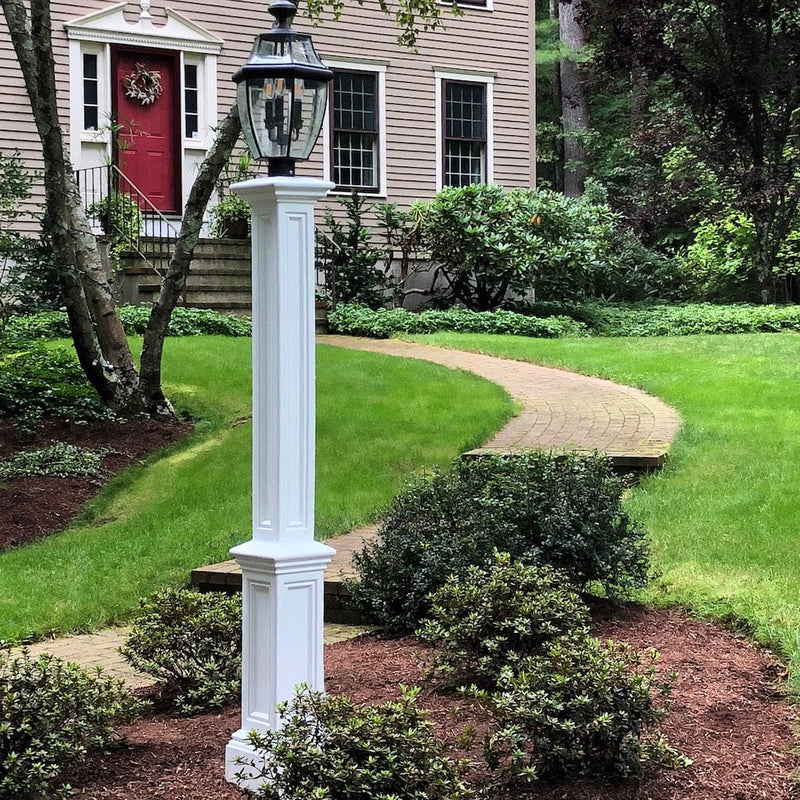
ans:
(282, 565)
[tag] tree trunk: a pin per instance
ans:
(574, 105)
(99, 338)
(558, 166)
(640, 96)
(152, 393)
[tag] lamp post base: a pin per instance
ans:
(282, 618)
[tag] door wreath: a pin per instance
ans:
(143, 85)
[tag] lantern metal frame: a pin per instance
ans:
(281, 65)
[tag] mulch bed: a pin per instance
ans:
(728, 716)
(728, 713)
(32, 508)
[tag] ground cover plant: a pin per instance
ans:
(721, 518)
(154, 524)
(549, 320)
(541, 508)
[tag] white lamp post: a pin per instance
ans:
(282, 93)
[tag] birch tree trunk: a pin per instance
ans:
(574, 105)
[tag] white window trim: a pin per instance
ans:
(464, 75)
(358, 65)
(465, 6)
(206, 99)
(103, 134)
(98, 31)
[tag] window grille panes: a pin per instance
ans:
(354, 153)
(464, 133)
(191, 96)
(91, 111)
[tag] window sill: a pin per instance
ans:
(94, 137)
(378, 195)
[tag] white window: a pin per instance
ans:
(464, 128)
(91, 92)
(191, 101)
(354, 138)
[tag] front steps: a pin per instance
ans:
(219, 278)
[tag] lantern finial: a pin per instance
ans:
(283, 11)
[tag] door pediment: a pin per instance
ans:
(110, 25)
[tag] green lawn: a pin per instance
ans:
(378, 419)
(724, 514)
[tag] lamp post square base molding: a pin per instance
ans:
(282, 607)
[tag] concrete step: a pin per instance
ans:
(194, 287)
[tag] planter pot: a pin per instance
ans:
(321, 316)
(234, 229)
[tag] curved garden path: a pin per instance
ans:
(559, 410)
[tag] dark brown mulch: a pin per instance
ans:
(32, 508)
(727, 715)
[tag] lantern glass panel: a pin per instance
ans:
(285, 116)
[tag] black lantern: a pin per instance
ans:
(281, 94)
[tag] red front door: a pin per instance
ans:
(147, 131)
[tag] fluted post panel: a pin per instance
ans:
(282, 565)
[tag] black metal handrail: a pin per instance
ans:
(119, 210)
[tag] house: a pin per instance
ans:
(143, 85)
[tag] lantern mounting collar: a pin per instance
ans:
(284, 12)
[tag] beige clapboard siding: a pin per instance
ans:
(363, 32)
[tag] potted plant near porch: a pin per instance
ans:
(231, 218)
(231, 215)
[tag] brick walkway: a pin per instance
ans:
(559, 411)
(102, 650)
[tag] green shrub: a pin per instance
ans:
(121, 219)
(52, 713)
(184, 322)
(188, 322)
(38, 382)
(564, 511)
(329, 749)
(491, 617)
(345, 254)
(60, 460)
(383, 323)
(719, 265)
(582, 709)
(192, 643)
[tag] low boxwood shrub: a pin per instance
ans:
(192, 643)
(384, 322)
(493, 616)
(327, 748)
(581, 709)
(541, 508)
(52, 713)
